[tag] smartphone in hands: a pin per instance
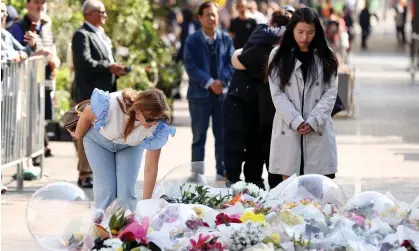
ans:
(32, 27)
(128, 69)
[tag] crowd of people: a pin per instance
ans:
(265, 111)
(265, 75)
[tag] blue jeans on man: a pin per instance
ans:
(201, 112)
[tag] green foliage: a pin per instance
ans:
(198, 194)
(19, 5)
(66, 19)
(130, 24)
(63, 78)
(62, 93)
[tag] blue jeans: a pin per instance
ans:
(115, 169)
(200, 112)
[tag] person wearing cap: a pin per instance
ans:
(12, 16)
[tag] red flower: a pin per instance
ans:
(225, 219)
(214, 245)
(202, 244)
(127, 237)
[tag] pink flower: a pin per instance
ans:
(200, 244)
(139, 230)
(358, 219)
(206, 243)
(222, 218)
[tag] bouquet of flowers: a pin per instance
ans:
(411, 225)
(249, 234)
(198, 194)
(249, 191)
(206, 240)
(126, 234)
(310, 212)
(373, 222)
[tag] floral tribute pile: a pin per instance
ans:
(293, 216)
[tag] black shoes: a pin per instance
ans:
(85, 183)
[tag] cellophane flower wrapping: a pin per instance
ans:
(373, 222)
(309, 212)
(411, 224)
(198, 212)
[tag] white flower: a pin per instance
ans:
(253, 189)
(113, 243)
(249, 234)
(105, 249)
(238, 187)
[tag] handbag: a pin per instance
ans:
(71, 117)
(339, 106)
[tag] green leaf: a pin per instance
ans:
(112, 221)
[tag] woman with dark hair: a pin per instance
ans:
(303, 83)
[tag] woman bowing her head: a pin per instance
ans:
(303, 84)
(116, 128)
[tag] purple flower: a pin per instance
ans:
(194, 224)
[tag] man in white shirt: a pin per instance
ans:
(94, 67)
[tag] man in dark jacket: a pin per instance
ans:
(94, 67)
(248, 109)
(207, 59)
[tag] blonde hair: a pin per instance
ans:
(152, 101)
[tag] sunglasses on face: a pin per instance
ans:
(149, 120)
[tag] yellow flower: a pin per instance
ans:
(78, 236)
(289, 218)
(149, 230)
(199, 211)
(119, 249)
(290, 205)
(276, 238)
(251, 216)
(114, 232)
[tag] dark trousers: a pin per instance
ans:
(401, 37)
(242, 141)
(201, 111)
(365, 35)
(266, 118)
(49, 112)
(265, 136)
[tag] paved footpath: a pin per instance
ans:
(378, 148)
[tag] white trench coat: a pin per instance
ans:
(319, 146)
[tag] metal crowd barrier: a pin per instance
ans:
(22, 114)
